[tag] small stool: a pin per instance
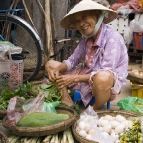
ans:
(77, 97)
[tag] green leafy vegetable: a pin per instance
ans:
(51, 92)
(22, 91)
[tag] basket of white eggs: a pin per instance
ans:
(109, 124)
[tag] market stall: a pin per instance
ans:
(35, 114)
(61, 124)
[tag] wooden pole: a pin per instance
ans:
(49, 46)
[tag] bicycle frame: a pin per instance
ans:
(10, 10)
(24, 22)
(60, 50)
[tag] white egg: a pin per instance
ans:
(108, 117)
(112, 131)
(113, 118)
(114, 136)
(117, 141)
(99, 121)
(87, 126)
(104, 133)
(130, 123)
(92, 131)
(82, 125)
(88, 137)
(114, 123)
(125, 123)
(107, 128)
(95, 122)
(82, 133)
(104, 123)
(82, 117)
(120, 128)
(100, 128)
(120, 118)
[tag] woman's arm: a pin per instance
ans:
(78, 55)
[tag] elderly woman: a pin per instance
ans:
(101, 52)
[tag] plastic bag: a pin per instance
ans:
(18, 107)
(34, 104)
(134, 104)
(7, 48)
(91, 117)
(15, 110)
(135, 4)
(50, 107)
(116, 6)
(124, 11)
(136, 26)
(128, 36)
(132, 4)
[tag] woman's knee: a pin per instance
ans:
(103, 78)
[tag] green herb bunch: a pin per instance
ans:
(22, 91)
(132, 134)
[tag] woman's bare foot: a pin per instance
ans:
(68, 102)
(66, 99)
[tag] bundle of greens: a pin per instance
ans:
(27, 91)
(133, 134)
(51, 92)
(22, 91)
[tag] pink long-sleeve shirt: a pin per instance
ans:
(111, 55)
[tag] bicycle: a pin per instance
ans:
(66, 49)
(17, 31)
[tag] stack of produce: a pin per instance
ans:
(117, 128)
(62, 137)
(132, 134)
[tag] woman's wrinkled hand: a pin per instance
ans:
(64, 80)
(52, 74)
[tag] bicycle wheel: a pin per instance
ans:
(20, 33)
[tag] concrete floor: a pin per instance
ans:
(125, 92)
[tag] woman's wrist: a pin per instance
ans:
(76, 79)
(62, 67)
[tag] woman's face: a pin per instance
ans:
(85, 21)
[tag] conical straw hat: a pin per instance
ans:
(68, 21)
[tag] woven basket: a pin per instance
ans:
(45, 130)
(3, 138)
(2, 114)
(101, 113)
